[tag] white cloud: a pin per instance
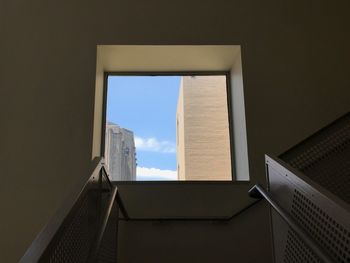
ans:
(154, 145)
(149, 174)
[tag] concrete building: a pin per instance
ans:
(120, 153)
(203, 141)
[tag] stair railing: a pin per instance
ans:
(76, 232)
(259, 192)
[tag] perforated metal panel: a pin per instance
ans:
(76, 237)
(325, 157)
(319, 146)
(108, 249)
(73, 235)
(74, 244)
(322, 215)
(322, 226)
(296, 251)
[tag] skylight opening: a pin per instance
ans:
(167, 128)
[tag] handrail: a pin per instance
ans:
(43, 240)
(94, 251)
(258, 192)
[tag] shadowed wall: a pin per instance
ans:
(295, 57)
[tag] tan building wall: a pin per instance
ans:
(180, 138)
(203, 142)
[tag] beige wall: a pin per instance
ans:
(204, 152)
(295, 57)
(180, 135)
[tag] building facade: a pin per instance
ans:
(120, 153)
(202, 127)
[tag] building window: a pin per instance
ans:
(170, 121)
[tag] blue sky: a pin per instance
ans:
(147, 105)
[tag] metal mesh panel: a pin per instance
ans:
(329, 233)
(75, 239)
(108, 249)
(334, 174)
(296, 251)
(74, 244)
(325, 158)
(73, 235)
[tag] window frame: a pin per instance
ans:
(227, 74)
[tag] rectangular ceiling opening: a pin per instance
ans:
(167, 127)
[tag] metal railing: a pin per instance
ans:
(76, 232)
(94, 251)
(258, 192)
